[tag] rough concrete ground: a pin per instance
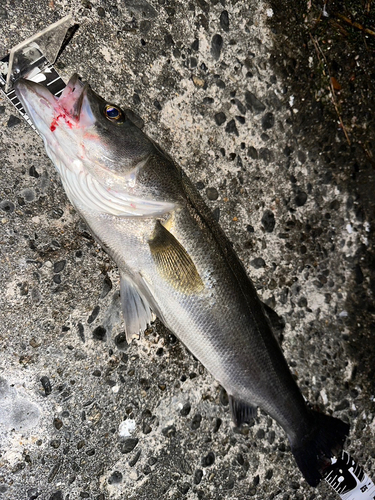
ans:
(240, 93)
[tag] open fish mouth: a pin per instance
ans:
(46, 110)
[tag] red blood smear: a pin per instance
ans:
(55, 120)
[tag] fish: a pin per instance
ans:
(175, 262)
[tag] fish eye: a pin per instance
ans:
(113, 113)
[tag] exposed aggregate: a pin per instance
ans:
(229, 91)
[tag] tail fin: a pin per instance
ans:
(312, 453)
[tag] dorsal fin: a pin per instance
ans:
(173, 262)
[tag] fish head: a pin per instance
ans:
(84, 132)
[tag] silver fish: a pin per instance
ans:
(175, 261)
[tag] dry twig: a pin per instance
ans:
(333, 95)
(356, 25)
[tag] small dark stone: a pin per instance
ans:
(2, 108)
(240, 119)
(268, 221)
(220, 118)
(268, 121)
(32, 494)
(249, 228)
(216, 46)
(184, 412)
(216, 214)
(58, 495)
(184, 488)
(212, 193)
(169, 40)
(301, 156)
(334, 205)
(265, 154)
(90, 452)
(13, 121)
(160, 351)
(135, 459)
(217, 424)
(59, 266)
(33, 172)
(302, 302)
(198, 476)
(193, 62)
(55, 443)
(46, 385)
(93, 315)
(252, 152)
(128, 444)
(240, 106)
(152, 461)
(224, 20)
(269, 474)
(145, 26)
(208, 100)
(57, 423)
(147, 470)
(258, 263)
(208, 460)
(220, 84)
(253, 103)
(199, 185)
(84, 494)
(358, 274)
(115, 477)
(7, 206)
(97, 373)
(231, 128)
(99, 333)
(157, 105)
(81, 331)
(342, 406)
(101, 12)
(260, 434)
(146, 428)
(107, 287)
(80, 444)
(169, 431)
(196, 422)
(57, 279)
(300, 198)
(195, 45)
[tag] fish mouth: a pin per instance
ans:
(43, 107)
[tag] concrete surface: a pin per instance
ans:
(249, 114)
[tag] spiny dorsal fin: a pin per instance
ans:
(135, 308)
(173, 262)
(241, 412)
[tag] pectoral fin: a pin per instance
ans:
(241, 412)
(135, 307)
(173, 262)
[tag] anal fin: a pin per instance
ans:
(135, 307)
(241, 412)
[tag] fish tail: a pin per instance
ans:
(313, 451)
